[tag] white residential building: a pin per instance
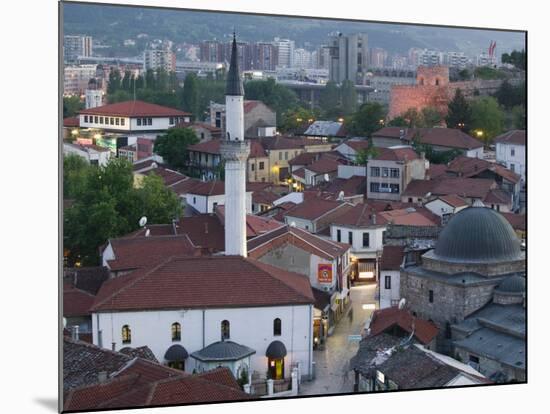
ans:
(94, 154)
(511, 151)
(392, 259)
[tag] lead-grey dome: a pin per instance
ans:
(513, 284)
(478, 235)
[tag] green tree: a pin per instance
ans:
(119, 96)
(156, 201)
(296, 119)
(459, 114)
(519, 120)
(516, 58)
(487, 118)
(125, 84)
(172, 146)
(349, 97)
(140, 82)
(413, 118)
(488, 73)
(150, 79)
(161, 79)
(398, 121)
(464, 75)
(75, 175)
(71, 106)
(329, 98)
(114, 83)
(509, 96)
(431, 117)
(368, 119)
(191, 95)
(278, 97)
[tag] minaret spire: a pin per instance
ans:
(234, 151)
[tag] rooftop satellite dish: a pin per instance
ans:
(147, 233)
(402, 303)
(142, 221)
(154, 164)
(340, 196)
(327, 177)
(293, 224)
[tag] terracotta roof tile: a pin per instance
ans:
(518, 221)
(418, 216)
(134, 109)
(471, 167)
(445, 137)
(208, 188)
(515, 136)
(392, 257)
(76, 302)
(314, 208)
(453, 200)
(169, 177)
(396, 154)
(323, 166)
(383, 319)
(204, 282)
(72, 122)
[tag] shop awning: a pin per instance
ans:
(276, 349)
(176, 353)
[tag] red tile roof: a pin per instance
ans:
(305, 158)
(300, 173)
(464, 187)
(350, 186)
(280, 142)
(384, 319)
(170, 177)
(208, 188)
(445, 137)
(361, 215)
(185, 186)
(139, 252)
(213, 147)
(204, 282)
(204, 230)
(419, 188)
(515, 136)
(323, 166)
(134, 109)
(396, 154)
(249, 105)
(453, 200)
(392, 257)
(71, 122)
(436, 171)
(311, 243)
(471, 167)
(264, 197)
(497, 196)
(357, 145)
(315, 208)
(517, 221)
(76, 302)
(255, 225)
(418, 216)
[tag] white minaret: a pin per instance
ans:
(234, 150)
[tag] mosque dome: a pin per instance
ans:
(478, 235)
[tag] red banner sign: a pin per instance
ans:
(324, 273)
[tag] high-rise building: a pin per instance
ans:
(349, 58)
(75, 46)
(455, 59)
(285, 52)
(323, 58)
(429, 58)
(265, 56)
(377, 57)
(235, 151)
(159, 58)
(302, 58)
(211, 51)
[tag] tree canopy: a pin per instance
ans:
(191, 95)
(172, 146)
(459, 115)
(516, 58)
(487, 118)
(368, 119)
(278, 97)
(71, 105)
(107, 205)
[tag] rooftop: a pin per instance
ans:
(202, 282)
(384, 319)
(516, 136)
(445, 137)
(314, 208)
(134, 109)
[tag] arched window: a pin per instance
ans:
(276, 327)
(437, 81)
(225, 330)
(176, 331)
(126, 334)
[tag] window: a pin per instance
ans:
(276, 327)
(139, 121)
(513, 167)
(512, 151)
(410, 200)
(375, 171)
(225, 330)
(122, 121)
(112, 121)
(171, 120)
(286, 155)
(350, 238)
(431, 296)
(126, 334)
(214, 205)
(96, 120)
(117, 121)
(394, 188)
(375, 187)
(176, 331)
(194, 200)
(149, 121)
(338, 235)
(100, 119)
(366, 239)
(280, 156)
(383, 237)
(202, 135)
(261, 166)
(387, 282)
(385, 171)
(251, 167)
(85, 118)
(394, 172)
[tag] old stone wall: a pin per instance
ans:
(486, 269)
(489, 366)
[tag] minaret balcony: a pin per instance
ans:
(235, 150)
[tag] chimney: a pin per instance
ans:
(102, 377)
(74, 333)
(401, 134)
(113, 346)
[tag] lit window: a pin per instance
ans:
(276, 327)
(176, 331)
(126, 334)
(225, 330)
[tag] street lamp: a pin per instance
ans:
(340, 119)
(74, 132)
(479, 133)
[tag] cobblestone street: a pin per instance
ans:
(332, 373)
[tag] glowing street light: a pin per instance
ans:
(479, 133)
(97, 136)
(74, 132)
(340, 119)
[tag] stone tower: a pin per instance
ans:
(234, 151)
(94, 95)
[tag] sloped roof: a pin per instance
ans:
(445, 137)
(419, 188)
(134, 109)
(72, 122)
(463, 187)
(396, 154)
(208, 188)
(202, 282)
(392, 257)
(518, 221)
(76, 302)
(223, 351)
(351, 186)
(169, 177)
(325, 128)
(360, 215)
(357, 145)
(138, 252)
(383, 319)
(323, 166)
(453, 200)
(314, 208)
(417, 216)
(468, 167)
(213, 147)
(516, 136)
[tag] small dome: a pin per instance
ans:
(513, 284)
(478, 235)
